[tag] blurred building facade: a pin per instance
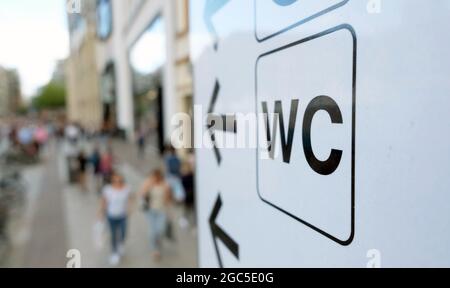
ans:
(82, 81)
(184, 79)
(100, 76)
(121, 26)
(10, 93)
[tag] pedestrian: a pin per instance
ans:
(106, 165)
(82, 167)
(25, 136)
(115, 206)
(72, 133)
(59, 131)
(95, 161)
(173, 163)
(141, 142)
(156, 192)
(41, 136)
(173, 171)
(187, 179)
(13, 136)
(26, 141)
(71, 151)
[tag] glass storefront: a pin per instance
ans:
(147, 60)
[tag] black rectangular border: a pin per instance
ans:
(348, 27)
(290, 27)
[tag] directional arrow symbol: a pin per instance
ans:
(217, 232)
(211, 8)
(228, 123)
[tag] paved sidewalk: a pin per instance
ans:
(21, 224)
(47, 245)
(37, 231)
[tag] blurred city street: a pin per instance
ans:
(58, 217)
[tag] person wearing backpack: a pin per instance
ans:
(157, 194)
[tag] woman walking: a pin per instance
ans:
(156, 192)
(115, 204)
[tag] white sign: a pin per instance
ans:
(352, 163)
(315, 152)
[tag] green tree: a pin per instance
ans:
(51, 97)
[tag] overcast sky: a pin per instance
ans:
(33, 36)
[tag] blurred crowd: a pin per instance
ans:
(25, 137)
(91, 155)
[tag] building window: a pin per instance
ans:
(104, 19)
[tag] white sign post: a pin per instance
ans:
(352, 153)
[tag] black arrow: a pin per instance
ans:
(217, 232)
(229, 123)
(211, 8)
